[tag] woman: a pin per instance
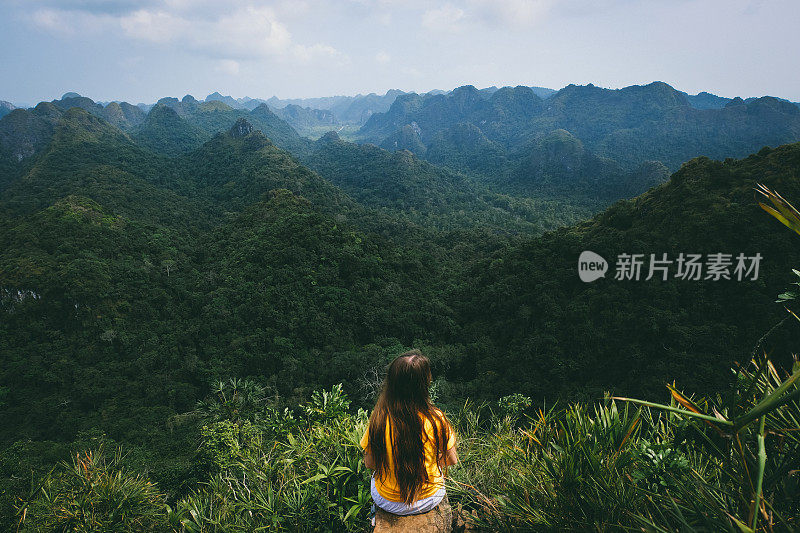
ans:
(409, 442)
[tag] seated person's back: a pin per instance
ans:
(409, 442)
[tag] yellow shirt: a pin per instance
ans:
(388, 488)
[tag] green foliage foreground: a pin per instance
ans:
(601, 467)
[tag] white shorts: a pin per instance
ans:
(399, 508)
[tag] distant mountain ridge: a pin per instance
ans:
(346, 110)
(171, 127)
(492, 133)
(196, 135)
(582, 143)
(311, 115)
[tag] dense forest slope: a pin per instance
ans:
(401, 185)
(545, 330)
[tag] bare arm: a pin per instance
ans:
(452, 457)
(368, 460)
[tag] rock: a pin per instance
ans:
(439, 520)
(242, 128)
(463, 520)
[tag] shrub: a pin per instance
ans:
(94, 493)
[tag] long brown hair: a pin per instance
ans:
(404, 403)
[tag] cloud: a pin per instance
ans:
(382, 57)
(236, 31)
(512, 12)
(446, 18)
(49, 20)
(154, 26)
(526, 13)
(228, 66)
(67, 23)
(94, 7)
(252, 31)
(307, 54)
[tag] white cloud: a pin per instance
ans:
(384, 18)
(234, 31)
(154, 26)
(228, 66)
(49, 19)
(68, 23)
(526, 13)
(512, 12)
(382, 57)
(245, 32)
(446, 18)
(307, 54)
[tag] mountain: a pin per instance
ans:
(236, 168)
(543, 329)
(342, 109)
(132, 282)
(236, 103)
(543, 92)
(124, 115)
(25, 132)
(6, 108)
(553, 165)
(494, 134)
(121, 114)
(463, 147)
(278, 130)
(292, 290)
(406, 138)
(227, 100)
(706, 100)
(560, 160)
(655, 122)
(518, 306)
(117, 263)
(179, 126)
(405, 187)
(186, 106)
(346, 109)
(307, 121)
(361, 107)
(164, 131)
(501, 111)
(90, 158)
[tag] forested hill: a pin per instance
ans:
(131, 280)
(400, 184)
(171, 127)
(94, 217)
(495, 134)
(541, 155)
(546, 330)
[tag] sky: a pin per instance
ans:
(142, 50)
